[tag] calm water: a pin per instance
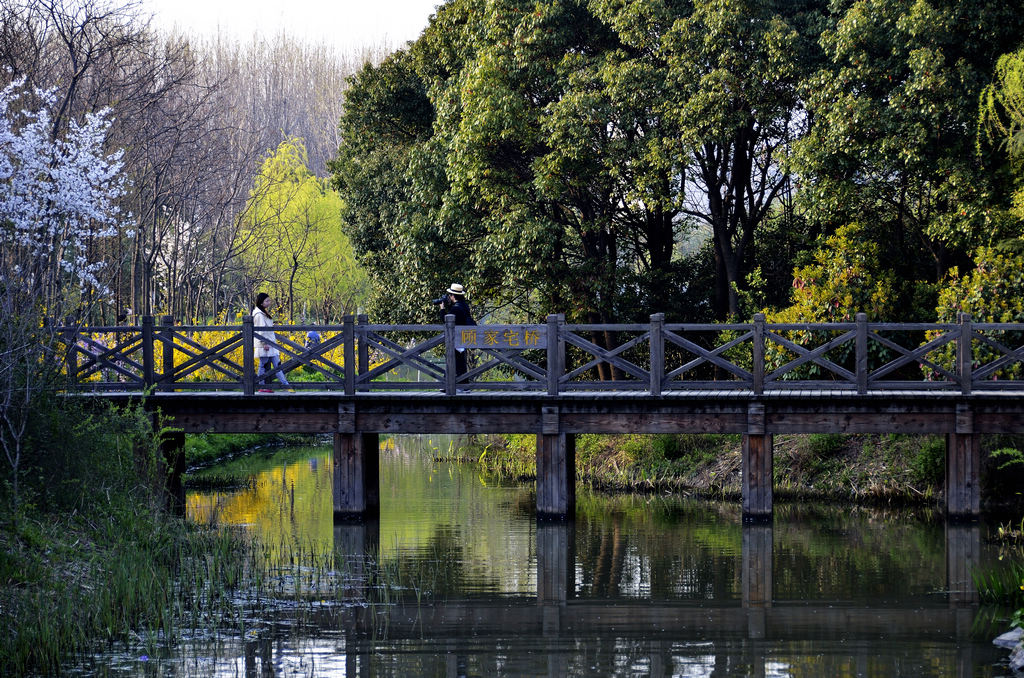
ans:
(457, 578)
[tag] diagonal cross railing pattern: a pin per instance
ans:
(657, 358)
(92, 355)
(997, 363)
(626, 373)
(410, 358)
(718, 349)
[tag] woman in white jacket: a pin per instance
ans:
(267, 355)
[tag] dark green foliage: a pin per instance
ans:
(555, 157)
(77, 454)
(895, 109)
(1008, 458)
(683, 291)
(823, 445)
(545, 154)
(1003, 469)
(928, 464)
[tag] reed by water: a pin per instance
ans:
(179, 583)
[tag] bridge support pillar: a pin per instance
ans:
(963, 459)
(172, 447)
(963, 466)
(556, 475)
(757, 467)
(356, 476)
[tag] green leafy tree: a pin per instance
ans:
(296, 246)
(391, 173)
(992, 292)
(539, 152)
(734, 69)
(1002, 122)
(893, 117)
(848, 275)
(1002, 105)
(551, 145)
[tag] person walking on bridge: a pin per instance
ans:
(267, 354)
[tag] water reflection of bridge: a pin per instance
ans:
(556, 562)
(558, 615)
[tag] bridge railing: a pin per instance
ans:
(555, 357)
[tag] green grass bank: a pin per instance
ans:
(868, 469)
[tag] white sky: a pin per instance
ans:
(346, 24)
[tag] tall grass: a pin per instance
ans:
(163, 583)
(1002, 584)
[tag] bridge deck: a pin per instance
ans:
(702, 411)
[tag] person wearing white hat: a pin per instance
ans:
(454, 303)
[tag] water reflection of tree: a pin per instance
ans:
(438, 567)
(854, 559)
(622, 553)
(638, 547)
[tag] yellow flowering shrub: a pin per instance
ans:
(992, 293)
(205, 340)
(845, 279)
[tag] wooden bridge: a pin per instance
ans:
(557, 380)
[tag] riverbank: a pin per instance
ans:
(89, 556)
(207, 449)
(865, 469)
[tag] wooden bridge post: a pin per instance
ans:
(757, 467)
(556, 354)
(71, 339)
(364, 348)
(248, 356)
(556, 468)
(349, 354)
(356, 486)
(861, 353)
(561, 342)
(964, 357)
(148, 366)
(657, 352)
(963, 464)
(449, 355)
(167, 329)
(757, 350)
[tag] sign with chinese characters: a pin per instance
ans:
(501, 336)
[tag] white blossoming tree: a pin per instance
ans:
(58, 197)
